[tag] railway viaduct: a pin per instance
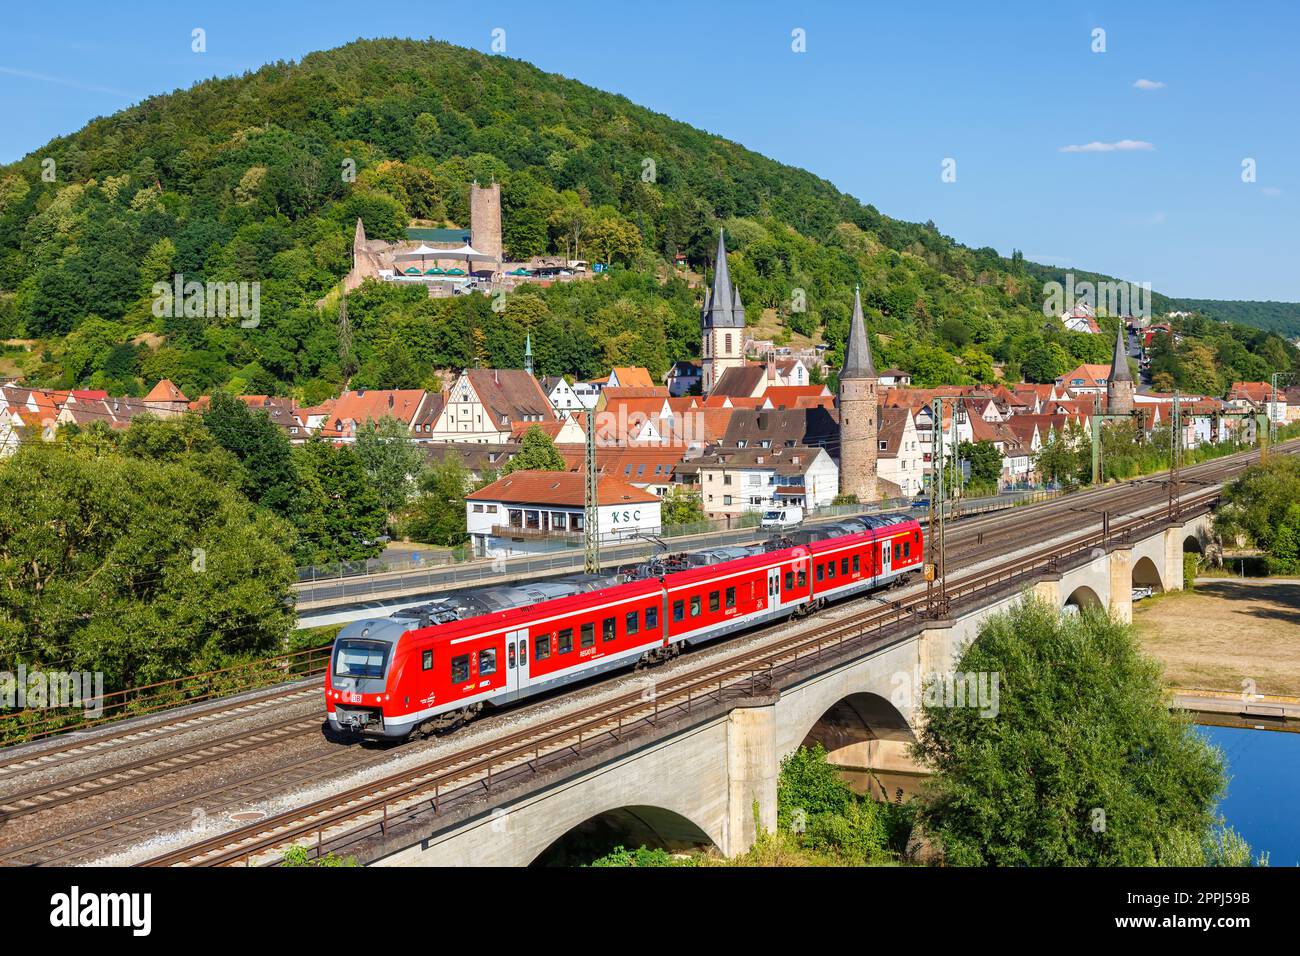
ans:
(711, 778)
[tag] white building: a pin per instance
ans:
(531, 512)
(732, 481)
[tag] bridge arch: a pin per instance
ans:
(1193, 544)
(1083, 598)
(630, 827)
(867, 737)
(1147, 575)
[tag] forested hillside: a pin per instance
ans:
(1280, 317)
(247, 179)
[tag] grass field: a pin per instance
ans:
(1224, 632)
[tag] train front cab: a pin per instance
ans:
(356, 683)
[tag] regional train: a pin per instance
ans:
(432, 668)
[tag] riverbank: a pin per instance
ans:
(1225, 632)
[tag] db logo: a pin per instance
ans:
(351, 697)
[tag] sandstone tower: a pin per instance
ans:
(1120, 386)
(485, 219)
(858, 401)
(722, 324)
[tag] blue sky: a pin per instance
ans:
(884, 93)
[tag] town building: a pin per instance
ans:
(532, 512)
(734, 481)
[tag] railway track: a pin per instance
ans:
(968, 539)
(339, 819)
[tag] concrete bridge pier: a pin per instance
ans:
(1173, 576)
(752, 771)
(1048, 588)
(1121, 584)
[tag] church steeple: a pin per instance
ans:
(528, 352)
(857, 353)
(721, 300)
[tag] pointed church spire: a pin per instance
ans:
(719, 311)
(528, 352)
(1119, 370)
(857, 353)
(359, 237)
(737, 308)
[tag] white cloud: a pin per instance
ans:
(1149, 85)
(1124, 145)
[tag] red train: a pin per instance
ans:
(432, 667)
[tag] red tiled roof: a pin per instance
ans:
(165, 391)
(565, 488)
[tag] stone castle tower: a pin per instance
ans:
(1120, 386)
(859, 407)
(722, 324)
(485, 219)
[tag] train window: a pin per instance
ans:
(695, 605)
(632, 623)
(588, 634)
(679, 610)
(821, 571)
(830, 569)
(789, 580)
(802, 577)
(844, 566)
(564, 641)
(541, 647)
(907, 549)
(523, 653)
(651, 617)
(856, 564)
(426, 660)
(510, 655)
(609, 629)
(731, 597)
(715, 600)
(487, 661)
(460, 669)
(898, 551)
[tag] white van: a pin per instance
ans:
(785, 517)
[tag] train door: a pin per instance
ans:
(773, 587)
(517, 659)
(886, 557)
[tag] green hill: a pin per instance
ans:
(244, 179)
(1280, 317)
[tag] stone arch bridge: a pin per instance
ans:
(711, 780)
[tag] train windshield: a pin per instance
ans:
(355, 658)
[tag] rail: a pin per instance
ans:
(741, 675)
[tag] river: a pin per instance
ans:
(1263, 798)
